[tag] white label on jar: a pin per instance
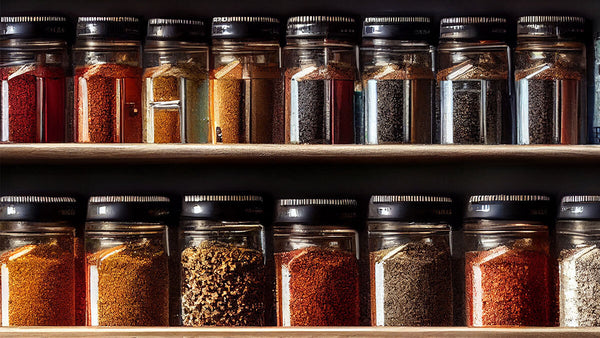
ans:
(5, 294)
(93, 285)
(285, 296)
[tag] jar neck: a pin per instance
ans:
(36, 227)
(93, 44)
(32, 45)
(471, 44)
(504, 226)
(157, 46)
(411, 44)
(319, 42)
(247, 43)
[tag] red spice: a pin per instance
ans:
(108, 104)
(508, 287)
(323, 287)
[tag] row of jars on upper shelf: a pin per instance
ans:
(245, 89)
(317, 266)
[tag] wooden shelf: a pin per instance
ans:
(193, 153)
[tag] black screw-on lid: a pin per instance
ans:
(580, 208)
(330, 27)
(509, 207)
(473, 28)
(34, 27)
(223, 207)
(108, 27)
(397, 28)
(413, 208)
(128, 208)
(553, 27)
(316, 211)
(176, 30)
(245, 27)
(37, 208)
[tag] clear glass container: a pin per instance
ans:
(246, 90)
(108, 85)
(320, 74)
(34, 70)
(222, 257)
(316, 263)
(410, 261)
(37, 264)
(127, 271)
(508, 272)
(397, 80)
(550, 76)
(175, 82)
(473, 105)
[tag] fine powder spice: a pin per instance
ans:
(128, 285)
(35, 111)
(319, 105)
(317, 287)
(223, 285)
(108, 104)
(38, 280)
(411, 285)
(175, 100)
(579, 273)
(508, 286)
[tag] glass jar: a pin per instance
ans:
(508, 274)
(175, 82)
(316, 262)
(34, 68)
(578, 253)
(320, 71)
(473, 65)
(108, 86)
(594, 130)
(220, 231)
(246, 97)
(410, 261)
(127, 261)
(397, 80)
(550, 73)
(37, 265)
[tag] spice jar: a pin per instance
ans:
(222, 261)
(397, 80)
(245, 81)
(550, 72)
(127, 261)
(33, 72)
(175, 82)
(578, 239)
(320, 70)
(37, 265)
(316, 250)
(410, 260)
(508, 277)
(107, 59)
(473, 64)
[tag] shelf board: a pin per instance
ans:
(262, 153)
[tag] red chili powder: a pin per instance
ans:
(508, 287)
(323, 287)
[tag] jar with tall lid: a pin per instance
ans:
(222, 260)
(107, 58)
(550, 76)
(397, 81)
(127, 273)
(34, 74)
(410, 261)
(175, 82)
(320, 74)
(37, 260)
(245, 82)
(508, 273)
(316, 262)
(473, 104)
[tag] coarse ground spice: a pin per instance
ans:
(411, 285)
(317, 287)
(130, 284)
(80, 286)
(508, 286)
(39, 282)
(108, 104)
(223, 285)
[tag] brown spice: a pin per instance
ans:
(79, 282)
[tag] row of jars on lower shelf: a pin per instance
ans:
(130, 271)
